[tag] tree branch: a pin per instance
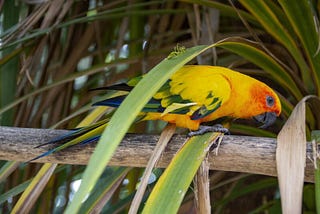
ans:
(254, 155)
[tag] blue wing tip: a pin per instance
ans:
(42, 155)
(113, 102)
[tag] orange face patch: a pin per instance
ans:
(265, 99)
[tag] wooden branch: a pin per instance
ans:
(254, 155)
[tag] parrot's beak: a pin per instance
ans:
(267, 118)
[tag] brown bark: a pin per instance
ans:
(254, 155)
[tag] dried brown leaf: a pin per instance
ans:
(202, 188)
(291, 159)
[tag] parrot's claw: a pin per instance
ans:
(204, 129)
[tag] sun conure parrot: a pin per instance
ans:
(193, 95)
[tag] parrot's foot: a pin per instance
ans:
(204, 129)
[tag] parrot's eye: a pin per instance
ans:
(269, 101)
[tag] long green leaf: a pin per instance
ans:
(124, 116)
(14, 191)
(251, 131)
(86, 19)
(317, 186)
(241, 190)
(268, 19)
(104, 191)
(281, 16)
(302, 17)
(93, 70)
(224, 9)
(315, 135)
(263, 60)
(169, 191)
(7, 169)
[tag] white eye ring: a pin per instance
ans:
(269, 101)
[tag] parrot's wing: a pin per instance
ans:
(195, 94)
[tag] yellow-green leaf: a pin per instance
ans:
(169, 191)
